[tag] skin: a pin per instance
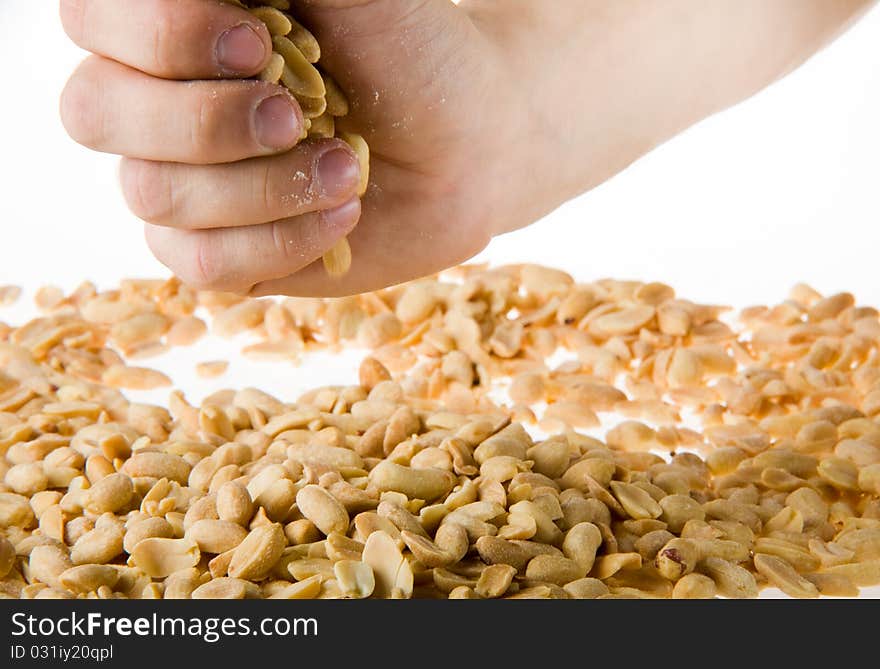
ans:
(481, 118)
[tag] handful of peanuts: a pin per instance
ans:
(294, 65)
(428, 478)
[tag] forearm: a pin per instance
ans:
(605, 82)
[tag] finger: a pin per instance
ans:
(394, 242)
(314, 175)
(112, 108)
(234, 259)
(173, 39)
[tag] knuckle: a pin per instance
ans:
(206, 267)
(166, 47)
(82, 112)
(148, 190)
(204, 135)
(293, 240)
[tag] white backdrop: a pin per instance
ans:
(782, 188)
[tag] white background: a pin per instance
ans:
(782, 188)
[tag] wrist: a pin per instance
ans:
(523, 159)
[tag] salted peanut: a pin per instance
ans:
(257, 554)
(139, 329)
(301, 531)
(636, 502)
(134, 378)
(428, 552)
(495, 550)
(47, 563)
(781, 574)
(833, 585)
(830, 553)
(673, 320)
(685, 369)
(677, 510)
(186, 331)
(159, 557)
(303, 568)
(554, 569)
(308, 588)
(224, 588)
(864, 543)
(112, 493)
(694, 586)
(545, 281)
(9, 294)
(426, 484)
(581, 543)
(355, 579)
(731, 580)
(575, 306)
(337, 261)
(677, 558)
(583, 473)
(89, 577)
(300, 76)
(144, 529)
(215, 536)
(630, 435)
(322, 509)
(234, 503)
(417, 302)
(7, 557)
(26, 478)
(98, 546)
(608, 565)
(809, 504)
(869, 479)
(546, 530)
(277, 499)
(586, 588)
(463, 592)
(494, 581)
(273, 71)
(276, 21)
(650, 543)
(372, 372)
(626, 321)
(799, 557)
(527, 388)
(830, 307)
(570, 414)
(725, 509)
(861, 573)
(157, 465)
(391, 570)
(211, 368)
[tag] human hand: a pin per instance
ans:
(231, 202)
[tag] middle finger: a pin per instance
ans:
(315, 175)
(112, 108)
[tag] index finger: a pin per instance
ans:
(171, 39)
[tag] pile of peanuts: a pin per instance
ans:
(293, 65)
(512, 434)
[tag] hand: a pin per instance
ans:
(211, 163)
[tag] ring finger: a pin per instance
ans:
(315, 175)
